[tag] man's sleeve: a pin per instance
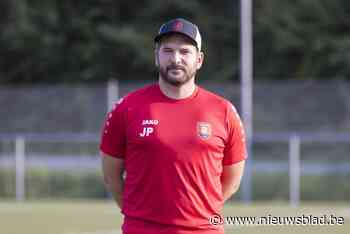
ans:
(113, 133)
(235, 149)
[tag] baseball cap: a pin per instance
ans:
(183, 27)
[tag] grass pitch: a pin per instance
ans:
(98, 217)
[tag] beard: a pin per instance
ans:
(187, 75)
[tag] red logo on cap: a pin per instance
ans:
(178, 25)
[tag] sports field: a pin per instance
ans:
(97, 217)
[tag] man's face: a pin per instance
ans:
(178, 59)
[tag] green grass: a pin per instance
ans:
(99, 217)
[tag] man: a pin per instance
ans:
(182, 148)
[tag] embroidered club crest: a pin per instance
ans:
(204, 130)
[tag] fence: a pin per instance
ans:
(50, 166)
(285, 106)
(23, 158)
(311, 155)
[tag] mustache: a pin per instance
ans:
(170, 67)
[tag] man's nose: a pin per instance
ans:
(176, 57)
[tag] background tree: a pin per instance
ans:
(73, 41)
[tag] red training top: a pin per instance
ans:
(174, 152)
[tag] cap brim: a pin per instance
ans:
(160, 36)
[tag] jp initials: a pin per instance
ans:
(146, 131)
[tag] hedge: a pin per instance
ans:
(42, 183)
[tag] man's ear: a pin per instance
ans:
(200, 60)
(156, 59)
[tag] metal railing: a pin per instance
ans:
(294, 140)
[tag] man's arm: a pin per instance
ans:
(112, 174)
(231, 178)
